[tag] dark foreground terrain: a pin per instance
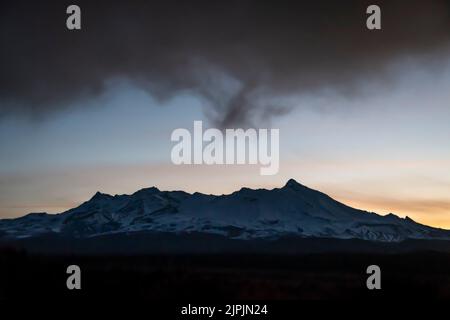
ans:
(216, 277)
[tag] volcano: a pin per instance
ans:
(293, 210)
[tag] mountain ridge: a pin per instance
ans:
(291, 210)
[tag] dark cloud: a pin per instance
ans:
(229, 52)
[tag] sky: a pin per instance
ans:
(362, 117)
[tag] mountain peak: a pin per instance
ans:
(99, 196)
(147, 191)
(292, 183)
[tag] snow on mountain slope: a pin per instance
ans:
(245, 214)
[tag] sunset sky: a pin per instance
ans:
(378, 141)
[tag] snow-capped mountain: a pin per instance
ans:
(293, 210)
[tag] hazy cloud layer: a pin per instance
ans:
(233, 54)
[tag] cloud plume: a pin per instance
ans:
(232, 54)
